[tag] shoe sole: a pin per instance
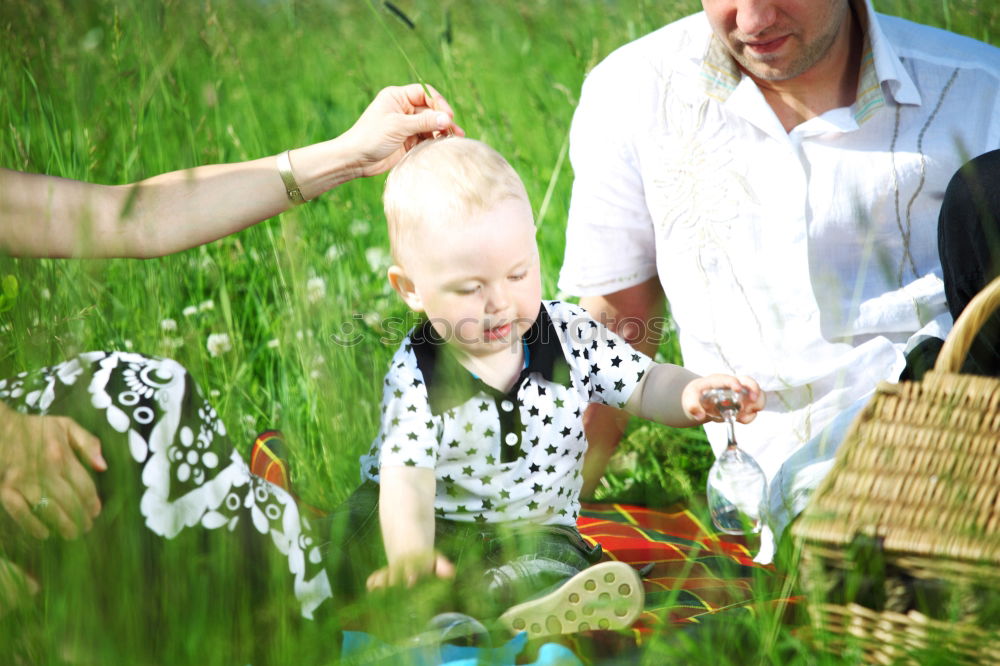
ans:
(607, 596)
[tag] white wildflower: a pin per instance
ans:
(315, 289)
(45, 294)
(378, 259)
(372, 319)
(206, 305)
(173, 343)
(360, 227)
(249, 419)
(214, 393)
(333, 253)
(218, 343)
(190, 310)
(168, 325)
(315, 374)
(128, 344)
(273, 343)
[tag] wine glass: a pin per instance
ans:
(737, 487)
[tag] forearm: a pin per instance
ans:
(406, 514)
(47, 216)
(658, 396)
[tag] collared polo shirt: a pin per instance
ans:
(502, 456)
(805, 259)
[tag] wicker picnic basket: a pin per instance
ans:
(900, 544)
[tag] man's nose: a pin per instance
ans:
(755, 16)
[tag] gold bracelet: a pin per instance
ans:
(288, 178)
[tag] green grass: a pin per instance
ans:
(112, 92)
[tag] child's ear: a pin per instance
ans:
(404, 286)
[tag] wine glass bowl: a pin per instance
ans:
(737, 487)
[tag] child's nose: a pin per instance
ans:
(497, 300)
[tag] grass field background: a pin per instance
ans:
(112, 92)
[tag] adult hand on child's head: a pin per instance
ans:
(752, 398)
(43, 484)
(397, 119)
(409, 570)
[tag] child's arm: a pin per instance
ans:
(406, 513)
(671, 395)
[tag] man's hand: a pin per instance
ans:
(408, 570)
(752, 398)
(43, 484)
(397, 119)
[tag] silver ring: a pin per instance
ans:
(40, 505)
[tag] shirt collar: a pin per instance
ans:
(449, 383)
(881, 69)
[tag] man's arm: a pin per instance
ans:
(44, 216)
(635, 314)
(406, 514)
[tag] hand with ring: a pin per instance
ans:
(43, 483)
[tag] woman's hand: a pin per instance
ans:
(43, 484)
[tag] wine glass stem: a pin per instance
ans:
(731, 429)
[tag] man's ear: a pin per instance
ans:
(404, 286)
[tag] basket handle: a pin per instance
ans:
(975, 314)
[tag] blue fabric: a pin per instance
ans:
(361, 648)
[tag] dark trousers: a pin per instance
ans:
(497, 565)
(969, 245)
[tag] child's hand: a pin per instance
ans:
(410, 569)
(752, 400)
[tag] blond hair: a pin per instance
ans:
(442, 180)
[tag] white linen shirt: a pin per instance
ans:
(805, 259)
(497, 456)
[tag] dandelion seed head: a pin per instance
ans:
(190, 310)
(218, 343)
(168, 325)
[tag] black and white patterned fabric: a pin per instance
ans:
(504, 456)
(192, 477)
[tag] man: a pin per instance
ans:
(775, 168)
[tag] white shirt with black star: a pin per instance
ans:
(503, 457)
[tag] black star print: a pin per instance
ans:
(547, 420)
(533, 411)
(467, 470)
(397, 394)
(565, 431)
(541, 390)
(489, 432)
(373, 470)
(586, 354)
(594, 369)
(430, 425)
(395, 449)
(408, 347)
(487, 503)
(579, 455)
(537, 488)
(519, 480)
(579, 435)
(410, 462)
(470, 452)
(577, 412)
(460, 509)
(395, 421)
(563, 325)
(484, 407)
(453, 444)
(447, 479)
(611, 343)
(551, 449)
(412, 408)
(641, 373)
(416, 382)
(412, 436)
(586, 380)
(532, 505)
(480, 518)
(619, 385)
(535, 440)
(551, 469)
(429, 451)
(616, 361)
(598, 388)
(533, 468)
(576, 353)
(635, 358)
(452, 491)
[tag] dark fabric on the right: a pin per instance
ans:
(969, 245)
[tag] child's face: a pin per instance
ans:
(477, 279)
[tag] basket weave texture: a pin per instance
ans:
(917, 479)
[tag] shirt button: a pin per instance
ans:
(506, 405)
(511, 439)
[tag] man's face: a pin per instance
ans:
(778, 40)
